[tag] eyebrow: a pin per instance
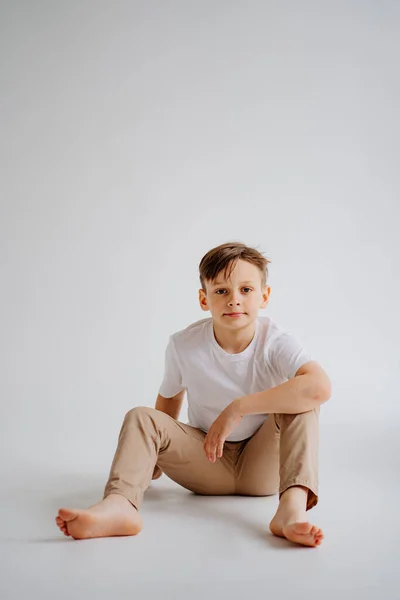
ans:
(241, 283)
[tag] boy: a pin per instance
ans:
(253, 405)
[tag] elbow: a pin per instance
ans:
(324, 393)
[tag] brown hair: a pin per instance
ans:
(225, 255)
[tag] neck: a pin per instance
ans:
(234, 341)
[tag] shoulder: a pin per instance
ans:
(277, 339)
(270, 331)
(192, 334)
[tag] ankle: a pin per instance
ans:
(296, 493)
(117, 499)
(294, 499)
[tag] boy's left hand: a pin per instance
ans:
(223, 425)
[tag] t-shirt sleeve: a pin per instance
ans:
(287, 354)
(172, 381)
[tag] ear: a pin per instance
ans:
(203, 300)
(265, 296)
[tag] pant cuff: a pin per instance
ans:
(312, 497)
(134, 499)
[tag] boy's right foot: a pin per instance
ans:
(114, 515)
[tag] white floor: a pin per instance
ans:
(200, 547)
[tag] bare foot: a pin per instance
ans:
(114, 515)
(298, 531)
(290, 520)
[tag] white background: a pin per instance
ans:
(135, 136)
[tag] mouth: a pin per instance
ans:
(233, 314)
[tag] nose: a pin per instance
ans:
(234, 300)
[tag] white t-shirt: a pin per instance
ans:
(213, 378)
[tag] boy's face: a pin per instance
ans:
(241, 294)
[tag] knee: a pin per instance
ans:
(304, 415)
(138, 411)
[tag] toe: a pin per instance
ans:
(302, 533)
(303, 528)
(67, 514)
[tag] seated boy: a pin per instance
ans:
(253, 396)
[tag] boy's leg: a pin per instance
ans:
(257, 467)
(299, 453)
(297, 467)
(149, 437)
(282, 453)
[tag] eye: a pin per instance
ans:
(222, 290)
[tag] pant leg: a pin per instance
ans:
(257, 467)
(282, 453)
(299, 452)
(149, 437)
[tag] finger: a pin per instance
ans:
(220, 448)
(209, 449)
(213, 451)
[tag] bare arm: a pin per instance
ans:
(171, 406)
(309, 388)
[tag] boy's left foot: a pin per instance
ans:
(299, 531)
(291, 522)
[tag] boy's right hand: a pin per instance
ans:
(157, 472)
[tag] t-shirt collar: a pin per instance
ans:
(240, 355)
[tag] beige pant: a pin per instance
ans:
(282, 453)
